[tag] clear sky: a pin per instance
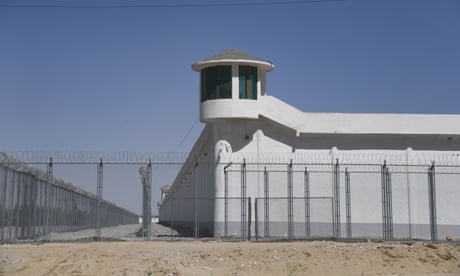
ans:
(120, 79)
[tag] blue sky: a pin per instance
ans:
(120, 79)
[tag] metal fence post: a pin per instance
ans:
(34, 206)
(149, 200)
(25, 208)
(226, 201)
(266, 204)
(348, 202)
(306, 179)
(99, 199)
(249, 218)
(243, 200)
(290, 201)
(256, 220)
(12, 210)
(18, 205)
(387, 213)
(146, 182)
(432, 202)
(3, 203)
(336, 184)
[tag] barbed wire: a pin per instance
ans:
(94, 157)
(272, 158)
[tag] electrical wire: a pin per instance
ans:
(186, 136)
(192, 5)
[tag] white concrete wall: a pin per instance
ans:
(269, 131)
(269, 142)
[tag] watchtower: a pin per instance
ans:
(231, 83)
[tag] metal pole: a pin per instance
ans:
(243, 200)
(12, 211)
(18, 204)
(149, 200)
(34, 206)
(289, 200)
(3, 203)
(249, 218)
(387, 212)
(432, 202)
(384, 218)
(266, 204)
(26, 203)
(49, 210)
(337, 199)
(306, 179)
(256, 217)
(99, 199)
(348, 202)
(226, 202)
(390, 205)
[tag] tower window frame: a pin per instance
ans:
(216, 82)
(248, 82)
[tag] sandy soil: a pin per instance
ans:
(229, 258)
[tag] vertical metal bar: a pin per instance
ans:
(384, 226)
(149, 200)
(348, 202)
(225, 203)
(432, 202)
(39, 208)
(409, 200)
(256, 218)
(53, 204)
(289, 200)
(69, 212)
(243, 200)
(48, 189)
(266, 204)
(387, 213)
(31, 209)
(249, 218)
(18, 204)
(12, 210)
(337, 199)
(99, 198)
(25, 207)
(390, 206)
(58, 208)
(306, 180)
(33, 206)
(3, 204)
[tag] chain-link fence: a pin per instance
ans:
(339, 201)
(236, 200)
(33, 203)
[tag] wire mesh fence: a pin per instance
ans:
(240, 200)
(33, 205)
(337, 201)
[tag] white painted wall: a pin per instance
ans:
(268, 132)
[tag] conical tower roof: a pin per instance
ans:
(233, 56)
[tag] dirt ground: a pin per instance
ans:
(229, 258)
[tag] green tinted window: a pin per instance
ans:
(216, 83)
(248, 82)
